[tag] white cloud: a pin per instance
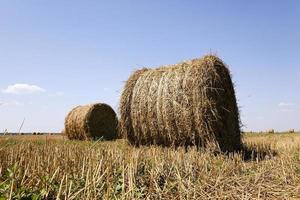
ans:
(287, 107)
(11, 103)
(285, 104)
(286, 110)
(21, 88)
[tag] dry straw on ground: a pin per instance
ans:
(191, 103)
(91, 121)
(114, 170)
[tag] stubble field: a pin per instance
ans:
(51, 167)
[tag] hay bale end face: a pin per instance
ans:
(191, 103)
(92, 121)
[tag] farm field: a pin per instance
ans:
(52, 167)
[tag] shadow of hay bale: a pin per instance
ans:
(258, 152)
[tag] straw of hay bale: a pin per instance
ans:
(291, 131)
(270, 131)
(91, 122)
(191, 103)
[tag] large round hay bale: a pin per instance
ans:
(191, 103)
(92, 121)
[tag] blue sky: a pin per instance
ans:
(57, 54)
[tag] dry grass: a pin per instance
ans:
(190, 103)
(54, 168)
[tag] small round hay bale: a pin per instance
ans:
(291, 131)
(91, 122)
(191, 103)
(270, 131)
